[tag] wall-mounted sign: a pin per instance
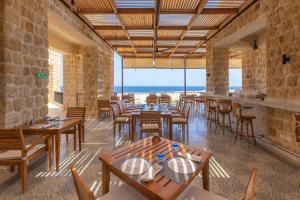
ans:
(41, 75)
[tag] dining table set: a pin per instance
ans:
(156, 167)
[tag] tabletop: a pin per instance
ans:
(167, 184)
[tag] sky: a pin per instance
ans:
(167, 77)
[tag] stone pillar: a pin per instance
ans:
(72, 79)
(23, 53)
(217, 69)
(108, 73)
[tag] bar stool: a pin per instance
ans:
(211, 110)
(224, 108)
(297, 127)
(243, 120)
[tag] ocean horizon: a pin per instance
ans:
(157, 89)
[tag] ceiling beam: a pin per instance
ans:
(199, 28)
(114, 8)
(152, 11)
(156, 22)
(151, 38)
(199, 9)
(151, 46)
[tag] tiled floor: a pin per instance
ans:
(229, 168)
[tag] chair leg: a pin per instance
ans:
(237, 130)
(252, 133)
(114, 131)
(83, 133)
(50, 158)
(242, 129)
(12, 168)
(67, 138)
(187, 133)
(230, 122)
(75, 139)
(24, 174)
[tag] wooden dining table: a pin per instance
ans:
(134, 115)
(56, 130)
(167, 184)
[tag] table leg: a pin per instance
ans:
(105, 178)
(205, 176)
(170, 128)
(80, 135)
(57, 150)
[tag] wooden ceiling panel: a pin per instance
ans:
(141, 33)
(224, 3)
(103, 19)
(93, 5)
(197, 33)
(169, 33)
(174, 19)
(209, 19)
(179, 5)
(111, 33)
(181, 29)
(137, 20)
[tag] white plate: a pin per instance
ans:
(182, 165)
(135, 166)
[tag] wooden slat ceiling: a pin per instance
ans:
(158, 28)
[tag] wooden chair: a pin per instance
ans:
(183, 121)
(194, 192)
(123, 192)
(152, 100)
(16, 152)
(104, 108)
(120, 120)
(243, 119)
(75, 112)
(200, 104)
(297, 126)
(224, 108)
(211, 110)
(165, 99)
(150, 122)
(123, 110)
(179, 112)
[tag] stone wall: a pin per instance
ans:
(23, 53)
(217, 69)
(94, 62)
(281, 82)
(254, 70)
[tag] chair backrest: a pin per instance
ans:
(186, 111)
(224, 106)
(11, 139)
(103, 103)
(115, 98)
(115, 111)
(181, 106)
(152, 99)
(83, 192)
(150, 117)
(251, 187)
(76, 112)
(237, 110)
(165, 99)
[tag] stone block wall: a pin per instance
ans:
(254, 70)
(281, 82)
(23, 53)
(217, 69)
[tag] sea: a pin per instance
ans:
(160, 89)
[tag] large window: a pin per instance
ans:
(195, 80)
(235, 79)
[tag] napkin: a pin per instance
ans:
(151, 173)
(64, 119)
(190, 156)
(47, 126)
